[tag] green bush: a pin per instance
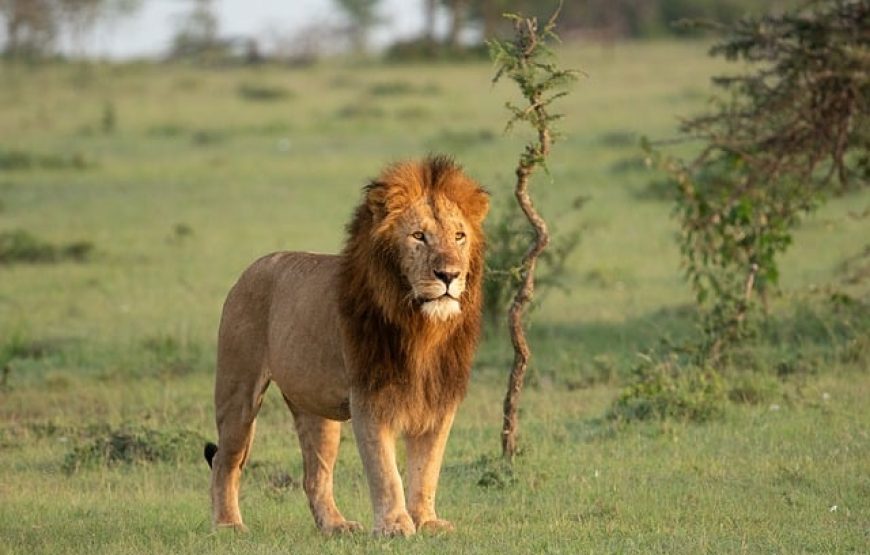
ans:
(258, 92)
(423, 50)
(361, 110)
(494, 473)
(131, 445)
(206, 137)
(789, 132)
(402, 88)
(22, 246)
(17, 345)
(753, 388)
(11, 160)
(666, 389)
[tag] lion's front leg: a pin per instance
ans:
(376, 442)
(425, 453)
(319, 439)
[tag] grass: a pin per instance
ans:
(193, 180)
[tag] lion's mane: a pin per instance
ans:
(408, 369)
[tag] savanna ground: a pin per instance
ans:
(179, 177)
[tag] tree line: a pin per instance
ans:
(33, 28)
(607, 18)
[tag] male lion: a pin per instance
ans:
(382, 333)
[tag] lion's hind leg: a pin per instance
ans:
(319, 438)
(237, 403)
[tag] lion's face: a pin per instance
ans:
(429, 216)
(433, 239)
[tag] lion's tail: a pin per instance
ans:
(209, 452)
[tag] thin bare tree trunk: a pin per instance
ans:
(429, 7)
(526, 291)
(748, 287)
(491, 17)
(524, 59)
(457, 21)
(749, 284)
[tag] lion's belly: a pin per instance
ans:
(319, 386)
(305, 357)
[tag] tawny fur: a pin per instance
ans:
(377, 333)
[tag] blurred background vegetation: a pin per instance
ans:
(34, 29)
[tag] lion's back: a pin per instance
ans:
(286, 304)
(290, 279)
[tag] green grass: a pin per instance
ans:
(196, 178)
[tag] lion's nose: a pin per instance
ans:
(446, 276)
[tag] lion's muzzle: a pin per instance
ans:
(443, 308)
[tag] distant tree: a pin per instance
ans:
(463, 12)
(430, 8)
(31, 27)
(34, 26)
(489, 13)
(362, 16)
(80, 16)
(621, 18)
(458, 17)
(610, 19)
(197, 32)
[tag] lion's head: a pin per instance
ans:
(420, 228)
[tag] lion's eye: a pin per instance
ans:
(460, 236)
(418, 235)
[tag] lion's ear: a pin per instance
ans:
(376, 199)
(476, 205)
(385, 201)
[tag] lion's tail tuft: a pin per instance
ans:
(209, 452)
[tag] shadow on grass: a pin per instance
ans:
(581, 354)
(807, 335)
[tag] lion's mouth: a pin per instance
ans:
(445, 296)
(441, 308)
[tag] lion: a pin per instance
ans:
(382, 334)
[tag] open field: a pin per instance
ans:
(179, 177)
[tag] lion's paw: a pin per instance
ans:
(399, 525)
(437, 526)
(236, 527)
(342, 528)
